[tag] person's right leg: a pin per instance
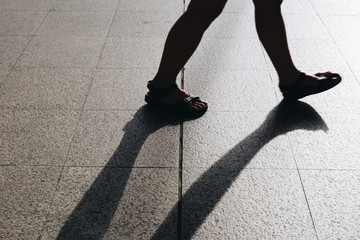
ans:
(271, 30)
(183, 39)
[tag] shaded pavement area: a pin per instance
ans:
(83, 157)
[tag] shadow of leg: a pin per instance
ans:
(203, 195)
(92, 216)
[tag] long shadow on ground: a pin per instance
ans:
(92, 216)
(203, 195)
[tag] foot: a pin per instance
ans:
(177, 95)
(305, 85)
(174, 98)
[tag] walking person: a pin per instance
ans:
(186, 34)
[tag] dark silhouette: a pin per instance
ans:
(185, 36)
(206, 192)
(92, 216)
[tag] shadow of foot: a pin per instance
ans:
(204, 194)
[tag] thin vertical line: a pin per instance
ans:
(180, 180)
(303, 188)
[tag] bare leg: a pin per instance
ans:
(271, 30)
(183, 39)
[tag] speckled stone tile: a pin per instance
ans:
(91, 203)
(58, 51)
(36, 137)
(244, 204)
(342, 27)
(305, 27)
(232, 90)
(26, 194)
(350, 49)
(10, 49)
(228, 53)
(143, 24)
(76, 24)
(138, 138)
(343, 98)
(20, 23)
(246, 139)
(335, 7)
(132, 52)
(155, 6)
(334, 200)
(3, 74)
(26, 5)
(119, 89)
(45, 88)
(233, 25)
(88, 5)
(336, 148)
(320, 54)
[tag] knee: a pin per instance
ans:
(267, 4)
(206, 10)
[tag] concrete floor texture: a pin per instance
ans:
(83, 157)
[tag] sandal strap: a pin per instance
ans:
(161, 92)
(295, 85)
(186, 103)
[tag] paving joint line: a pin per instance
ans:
(303, 188)
(334, 41)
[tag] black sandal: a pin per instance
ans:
(296, 91)
(155, 95)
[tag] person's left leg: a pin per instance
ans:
(271, 31)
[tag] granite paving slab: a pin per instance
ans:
(319, 54)
(143, 24)
(26, 5)
(20, 23)
(132, 52)
(125, 139)
(95, 203)
(244, 204)
(93, 24)
(334, 7)
(11, 48)
(228, 53)
(232, 90)
(336, 148)
(26, 194)
(334, 200)
(86, 6)
(248, 139)
(60, 51)
(45, 88)
(174, 6)
(119, 89)
(3, 74)
(342, 27)
(32, 137)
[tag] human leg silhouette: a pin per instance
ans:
(182, 40)
(185, 36)
(271, 31)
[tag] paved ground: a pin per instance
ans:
(82, 158)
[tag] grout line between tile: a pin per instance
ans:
(181, 157)
(303, 188)
(333, 39)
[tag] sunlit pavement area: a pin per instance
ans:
(83, 157)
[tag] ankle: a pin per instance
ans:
(289, 78)
(159, 82)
